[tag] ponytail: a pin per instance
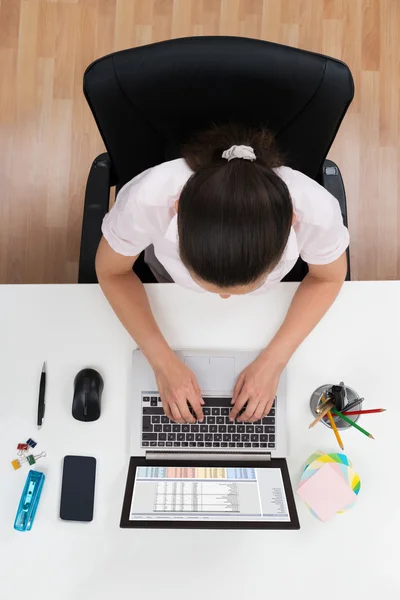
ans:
(235, 211)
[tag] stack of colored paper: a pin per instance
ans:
(329, 485)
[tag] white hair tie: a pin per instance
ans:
(245, 152)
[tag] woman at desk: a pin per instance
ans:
(229, 218)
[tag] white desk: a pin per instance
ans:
(72, 327)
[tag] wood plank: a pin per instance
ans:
(26, 62)
(272, 21)
(9, 23)
(69, 17)
(370, 52)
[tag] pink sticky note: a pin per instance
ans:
(340, 471)
(326, 492)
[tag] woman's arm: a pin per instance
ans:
(313, 298)
(127, 296)
(258, 383)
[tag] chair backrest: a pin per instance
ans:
(148, 99)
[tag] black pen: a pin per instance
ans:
(41, 402)
(352, 405)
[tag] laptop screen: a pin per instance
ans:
(209, 493)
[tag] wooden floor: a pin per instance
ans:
(48, 137)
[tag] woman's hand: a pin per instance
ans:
(256, 386)
(178, 386)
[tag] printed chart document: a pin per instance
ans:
(209, 494)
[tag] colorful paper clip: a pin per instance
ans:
(23, 447)
(31, 442)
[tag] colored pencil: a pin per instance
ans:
(350, 422)
(365, 412)
(320, 406)
(335, 429)
(327, 408)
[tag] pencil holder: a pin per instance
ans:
(320, 392)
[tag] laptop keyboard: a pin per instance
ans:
(216, 431)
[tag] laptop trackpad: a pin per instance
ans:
(213, 372)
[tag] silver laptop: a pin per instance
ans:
(211, 456)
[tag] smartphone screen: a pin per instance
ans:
(77, 492)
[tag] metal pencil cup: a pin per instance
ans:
(351, 395)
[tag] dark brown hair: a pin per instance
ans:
(234, 217)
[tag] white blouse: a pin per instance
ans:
(144, 213)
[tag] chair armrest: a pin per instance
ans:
(331, 180)
(97, 198)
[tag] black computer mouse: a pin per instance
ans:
(88, 386)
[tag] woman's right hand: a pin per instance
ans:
(178, 387)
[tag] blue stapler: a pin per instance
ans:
(29, 501)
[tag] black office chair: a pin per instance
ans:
(147, 100)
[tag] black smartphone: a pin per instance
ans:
(77, 491)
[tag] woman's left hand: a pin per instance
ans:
(256, 386)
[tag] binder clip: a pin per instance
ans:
(31, 442)
(29, 501)
(22, 447)
(32, 459)
(18, 462)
